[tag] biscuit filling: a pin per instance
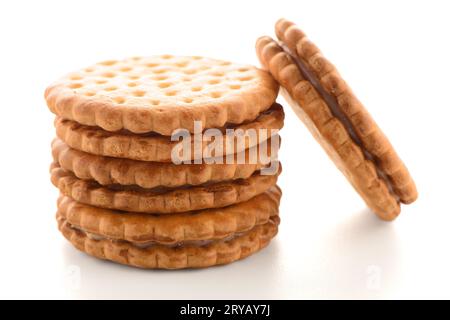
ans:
(152, 243)
(337, 112)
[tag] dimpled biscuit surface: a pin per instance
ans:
(162, 93)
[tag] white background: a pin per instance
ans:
(394, 54)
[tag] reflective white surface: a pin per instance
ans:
(395, 56)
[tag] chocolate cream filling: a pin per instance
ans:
(211, 186)
(337, 112)
(152, 243)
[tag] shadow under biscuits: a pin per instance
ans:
(88, 277)
(363, 254)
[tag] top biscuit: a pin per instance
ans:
(162, 93)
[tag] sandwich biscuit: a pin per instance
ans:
(337, 119)
(160, 200)
(162, 93)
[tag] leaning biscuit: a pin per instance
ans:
(161, 201)
(151, 147)
(209, 224)
(212, 253)
(109, 171)
(337, 119)
(162, 93)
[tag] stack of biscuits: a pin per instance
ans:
(167, 162)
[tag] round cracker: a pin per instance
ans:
(162, 93)
(109, 171)
(168, 229)
(382, 181)
(163, 257)
(151, 147)
(167, 201)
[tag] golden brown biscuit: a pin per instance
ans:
(162, 93)
(337, 119)
(152, 147)
(207, 254)
(160, 200)
(108, 171)
(209, 224)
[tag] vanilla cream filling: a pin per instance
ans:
(152, 243)
(337, 112)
